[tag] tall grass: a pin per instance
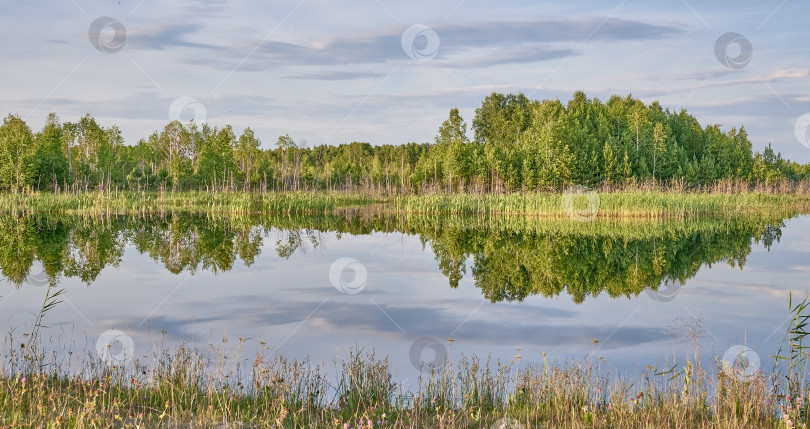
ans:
(186, 387)
(633, 204)
(189, 388)
(583, 205)
(154, 203)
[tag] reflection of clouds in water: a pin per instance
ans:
(796, 237)
(718, 289)
(376, 252)
(543, 326)
(799, 245)
(801, 268)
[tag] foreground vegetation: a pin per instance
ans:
(189, 388)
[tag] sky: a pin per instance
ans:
(388, 72)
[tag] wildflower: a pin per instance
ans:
(23, 380)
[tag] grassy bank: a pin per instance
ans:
(186, 388)
(143, 203)
(578, 204)
(620, 204)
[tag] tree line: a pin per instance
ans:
(518, 145)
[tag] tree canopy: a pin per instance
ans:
(517, 145)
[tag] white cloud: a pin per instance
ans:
(298, 68)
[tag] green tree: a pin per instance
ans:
(16, 154)
(610, 170)
(627, 169)
(659, 137)
(453, 143)
(639, 120)
(177, 152)
(215, 161)
(247, 156)
(50, 163)
(499, 125)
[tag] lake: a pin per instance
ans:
(402, 286)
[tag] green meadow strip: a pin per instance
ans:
(621, 204)
(585, 206)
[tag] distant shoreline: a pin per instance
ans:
(575, 203)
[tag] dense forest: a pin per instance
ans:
(518, 145)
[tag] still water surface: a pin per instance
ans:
(319, 287)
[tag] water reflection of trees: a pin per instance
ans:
(191, 243)
(510, 266)
(509, 259)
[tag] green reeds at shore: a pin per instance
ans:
(149, 203)
(575, 204)
(587, 205)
